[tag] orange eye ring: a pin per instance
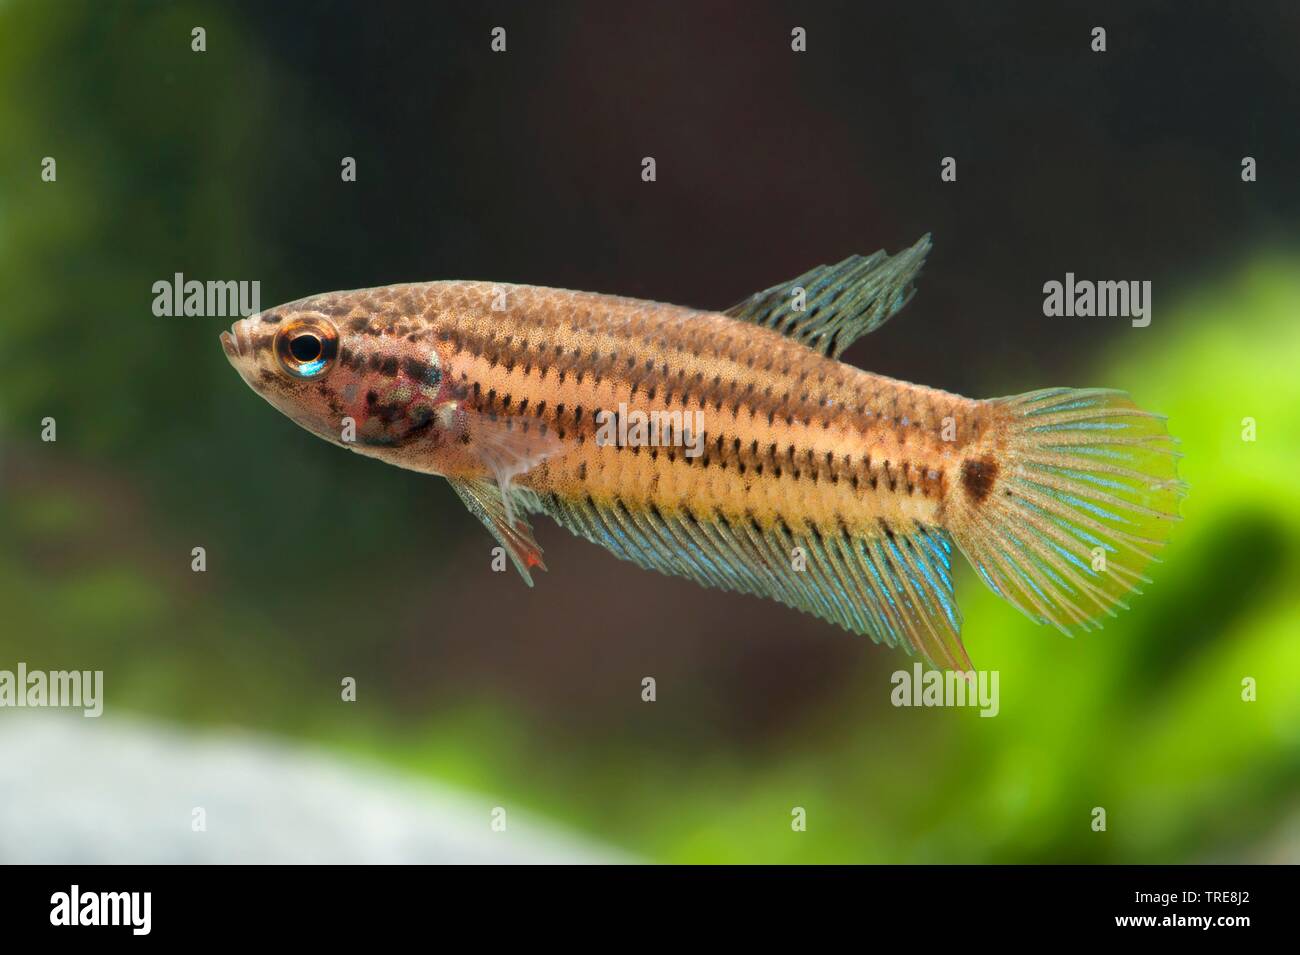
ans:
(307, 347)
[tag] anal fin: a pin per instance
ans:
(894, 587)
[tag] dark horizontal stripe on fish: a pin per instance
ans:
(811, 403)
(810, 407)
(725, 450)
(673, 385)
(728, 449)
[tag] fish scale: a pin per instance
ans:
(793, 440)
(831, 489)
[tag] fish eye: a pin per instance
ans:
(306, 348)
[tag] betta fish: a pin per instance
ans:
(734, 448)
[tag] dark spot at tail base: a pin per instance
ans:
(978, 475)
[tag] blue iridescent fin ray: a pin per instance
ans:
(894, 587)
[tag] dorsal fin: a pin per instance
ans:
(842, 302)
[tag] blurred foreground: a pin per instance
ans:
(129, 791)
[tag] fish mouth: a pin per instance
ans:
(231, 343)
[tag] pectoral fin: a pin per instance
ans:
(484, 499)
(506, 446)
(509, 446)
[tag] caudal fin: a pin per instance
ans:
(1063, 514)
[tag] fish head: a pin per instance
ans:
(352, 381)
